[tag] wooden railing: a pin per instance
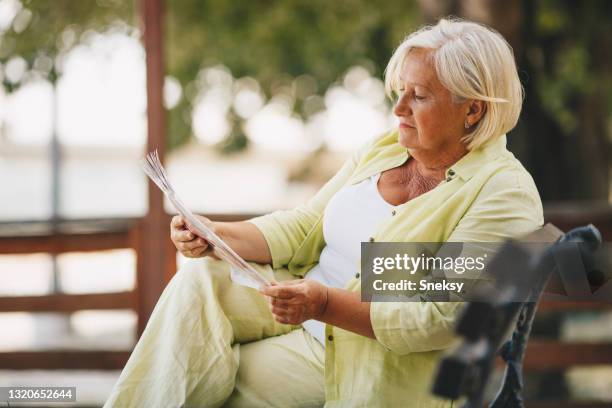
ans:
(83, 236)
(55, 239)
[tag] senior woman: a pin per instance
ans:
(444, 175)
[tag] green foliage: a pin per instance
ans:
(263, 38)
(574, 61)
(48, 28)
(236, 141)
(277, 41)
(272, 41)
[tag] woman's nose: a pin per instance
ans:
(401, 107)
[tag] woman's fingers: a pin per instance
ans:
(281, 290)
(184, 236)
(186, 242)
(178, 231)
(291, 315)
(296, 301)
(194, 249)
(196, 253)
(280, 309)
(177, 222)
(193, 244)
(287, 301)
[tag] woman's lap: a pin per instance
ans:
(245, 308)
(279, 365)
(207, 334)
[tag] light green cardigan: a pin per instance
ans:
(487, 196)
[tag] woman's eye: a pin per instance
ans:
(419, 97)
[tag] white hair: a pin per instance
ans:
(473, 62)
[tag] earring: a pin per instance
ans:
(467, 125)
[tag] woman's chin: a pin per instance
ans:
(409, 141)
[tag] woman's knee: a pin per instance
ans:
(206, 286)
(202, 272)
(194, 284)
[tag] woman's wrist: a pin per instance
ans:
(344, 309)
(219, 229)
(324, 301)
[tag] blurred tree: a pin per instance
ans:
(274, 42)
(277, 41)
(562, 47)
(41, 30)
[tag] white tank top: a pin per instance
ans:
(350, 217)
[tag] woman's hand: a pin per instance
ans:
(186, 242)
(295, 301)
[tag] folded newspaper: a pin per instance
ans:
(241, 271)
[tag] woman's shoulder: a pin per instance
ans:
(511, 184)
(496, 168)
(506, 203)
(511, 173)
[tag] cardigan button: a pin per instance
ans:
(451, 172)
(371, 239)
(330, 338)
(357, 275)
(393, 212)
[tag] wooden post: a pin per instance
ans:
(154, 229)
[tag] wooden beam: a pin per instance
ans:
(170, 267)
(67, 236)
(68, 303)
(65, 226)
(64, 360)
(61, 243)
(552, 355)
(568, 215)
(153, 236)
(562, 306)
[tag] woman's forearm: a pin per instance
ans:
(246, 240)
(346, 310)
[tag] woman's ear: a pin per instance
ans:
(476, 109)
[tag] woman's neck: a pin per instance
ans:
(433, 165)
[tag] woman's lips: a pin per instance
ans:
(406, 126)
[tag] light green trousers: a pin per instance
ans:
(210, 343)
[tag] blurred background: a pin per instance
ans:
(253, 106)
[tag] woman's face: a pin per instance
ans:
(430, 121)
